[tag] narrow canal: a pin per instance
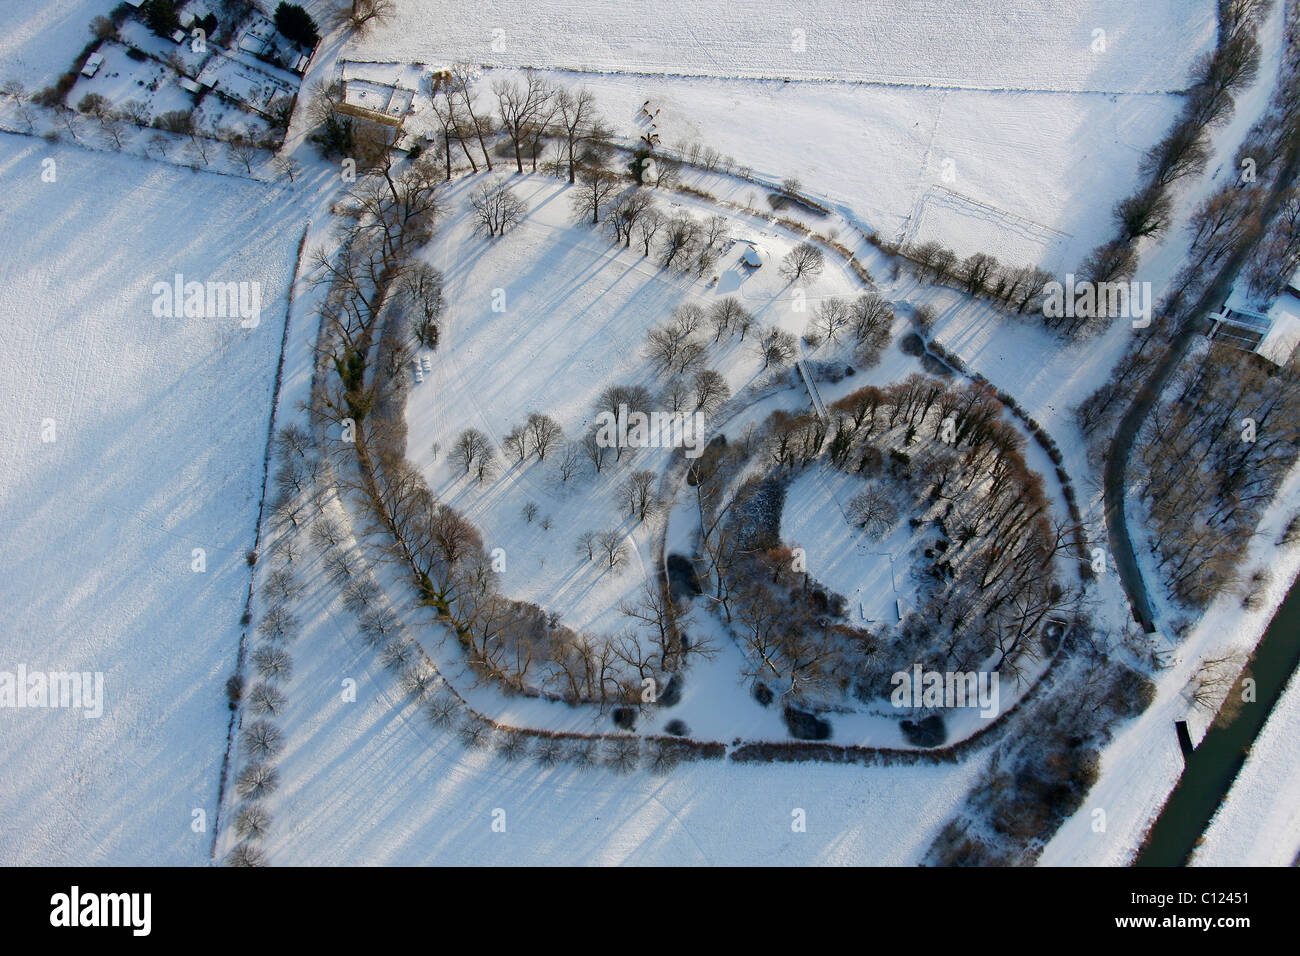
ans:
(1213, 766)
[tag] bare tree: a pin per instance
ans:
(516, 442)
(524, 111)
(245, 854)
(677, 395)
(585, 135)
(647, 227)
(587, 544)
(479, 123)
(253, 821)
(832, 316)
(775, 346)
(1145, 214)
(243, 152)
(567, 465)
(273, 663)
(1213, 680)
(725, 317)
(278, 624)
(446, 107)
(257, 780)
(496, 208)
(543, 433)
(594, 450)
(470, 445)
(360, 15)
(805, 259)
(422, 286)
(637, 492)
(681, 234)
(15, 91)
(613, 548)
(873, 510)
(266, 699)
(626, 211)
(288, 166)
(711, 390)
(263, 739)
(281, 585)
(597, 185)
(872, 319)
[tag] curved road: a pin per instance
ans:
(1195, 322)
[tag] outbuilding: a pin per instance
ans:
(752, 256)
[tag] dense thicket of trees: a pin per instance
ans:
(1211, 457)
(944, 455)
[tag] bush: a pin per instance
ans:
(927, 732)
(234, 690)
(805, 726)
(54, 95)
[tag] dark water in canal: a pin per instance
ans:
(1214, 764)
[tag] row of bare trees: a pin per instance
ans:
(1185, 150)
(531, 114)
(867, 321)
(987, 592)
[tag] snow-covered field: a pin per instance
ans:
(159, 426)
(1014, 44)
(38, 41)
(1007, 126)
(990, 126)
(1029, 177)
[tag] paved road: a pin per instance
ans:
(1193, 324)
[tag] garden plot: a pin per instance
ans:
(1005, 44)
(134, 33)
(123, 80)
(255, 86)
(577, 310)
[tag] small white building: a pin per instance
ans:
(752, 255)
(93, 63)
(1271, 330)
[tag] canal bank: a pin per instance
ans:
(1213, 766)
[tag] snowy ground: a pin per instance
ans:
(1253, 826)
(159, 430)
(1027, 176)
(1015, 44)
(991, 125)
(39, 41)
(577, 309)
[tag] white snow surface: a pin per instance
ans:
(1006, 44)
(159, 428)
